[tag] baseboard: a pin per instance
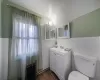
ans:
(40, 72)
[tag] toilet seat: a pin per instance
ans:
(75, 75)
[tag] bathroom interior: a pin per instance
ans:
(50, 39)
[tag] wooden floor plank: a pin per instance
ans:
(47, 75)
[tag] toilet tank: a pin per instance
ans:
(85, 65)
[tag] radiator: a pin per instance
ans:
(31, 71)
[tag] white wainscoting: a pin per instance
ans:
(4, 58)
(87, 46)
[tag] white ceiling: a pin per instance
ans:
(42, 6)
(65, 10)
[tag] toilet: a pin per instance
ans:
(85, 68)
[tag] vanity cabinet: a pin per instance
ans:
(60, 63)
(53, 61)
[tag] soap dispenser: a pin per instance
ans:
(56, 44)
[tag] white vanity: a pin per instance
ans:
(60, 62)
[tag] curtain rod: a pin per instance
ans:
(24, 9)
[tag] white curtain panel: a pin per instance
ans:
(25, 41)
(25, 35)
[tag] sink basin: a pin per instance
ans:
(59, 50)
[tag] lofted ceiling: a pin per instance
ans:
(65, 10)
(42, 6)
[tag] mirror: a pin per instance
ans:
(50, 32)
(63, 32)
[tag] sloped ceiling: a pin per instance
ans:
(40, 6)
(65, 10)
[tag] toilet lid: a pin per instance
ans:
(75, 75)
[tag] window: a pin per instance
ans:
(25, 36)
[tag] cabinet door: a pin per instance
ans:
(53, 61)
(63, 65)
(60, 65)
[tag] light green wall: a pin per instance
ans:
(6, 29)
(87, 25)
(0, 16)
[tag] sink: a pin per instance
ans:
(59, 50)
